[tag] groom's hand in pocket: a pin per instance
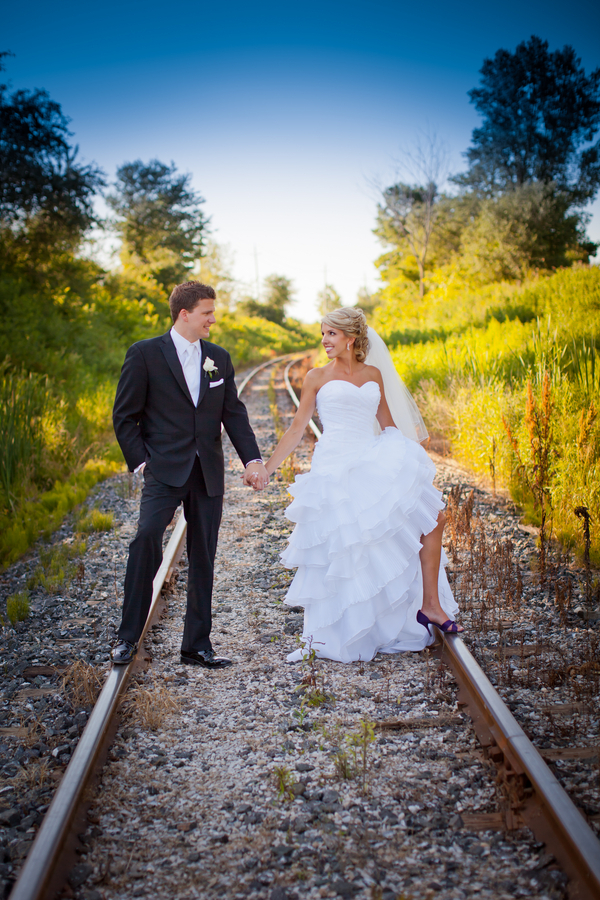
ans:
(256, 476)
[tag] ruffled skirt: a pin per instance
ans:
(360, 513)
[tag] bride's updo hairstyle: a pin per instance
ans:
(352, 322)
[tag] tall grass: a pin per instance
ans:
(481, 383)
(23, 401)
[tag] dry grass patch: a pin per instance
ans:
(83, 683)
(150, 707)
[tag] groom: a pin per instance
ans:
(173, 395)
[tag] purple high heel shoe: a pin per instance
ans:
(448, 627)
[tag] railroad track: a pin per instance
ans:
(536, 797)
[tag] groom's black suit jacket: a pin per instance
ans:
(156, 421)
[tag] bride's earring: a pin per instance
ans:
(348, 345)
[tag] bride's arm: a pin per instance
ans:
(384, 416)
(293, 435)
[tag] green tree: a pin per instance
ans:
(527, 227)
(328, 299)
(366, 301)
(406, 219)
(540, 111)
(46, 195)
(159, 219)
(216, 268)
(276, 303)
(409, 214)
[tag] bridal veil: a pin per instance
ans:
(403, 408)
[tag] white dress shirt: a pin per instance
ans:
(190, 357)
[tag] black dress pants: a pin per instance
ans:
(203, 515)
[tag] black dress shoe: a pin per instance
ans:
(122, 653)
(204, 658)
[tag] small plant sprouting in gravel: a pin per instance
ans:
(57, 569)
(314, 692)
(17, 607)
(361, 740)
(284, 782)
(343, 764)
(351, 749)
(300, 714)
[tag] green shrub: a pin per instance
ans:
(18, 607)
(250, 339)
(44, 514)
(95, 521)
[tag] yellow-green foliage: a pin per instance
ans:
(250, 339)
(43, 515)
(479, 439)
(95, 521)
(17, 607)
(455, 301)
(64, 332)
(469, 373)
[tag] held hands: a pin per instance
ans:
(255, 476)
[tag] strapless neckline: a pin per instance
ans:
(358, 387)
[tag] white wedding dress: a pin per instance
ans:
(359, 514)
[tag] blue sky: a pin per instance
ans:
(285, 115)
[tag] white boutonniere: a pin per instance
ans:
(210, 368)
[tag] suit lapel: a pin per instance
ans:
(204, 379)
(168, 348)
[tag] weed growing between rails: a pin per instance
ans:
(350, 750)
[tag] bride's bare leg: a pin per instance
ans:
(430, 554)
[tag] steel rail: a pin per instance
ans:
(550, 813)
(51, 856)
(262, 366)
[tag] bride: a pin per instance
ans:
(368, 537)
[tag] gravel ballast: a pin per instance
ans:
(266, 779)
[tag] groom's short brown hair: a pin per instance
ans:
(187, 295)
